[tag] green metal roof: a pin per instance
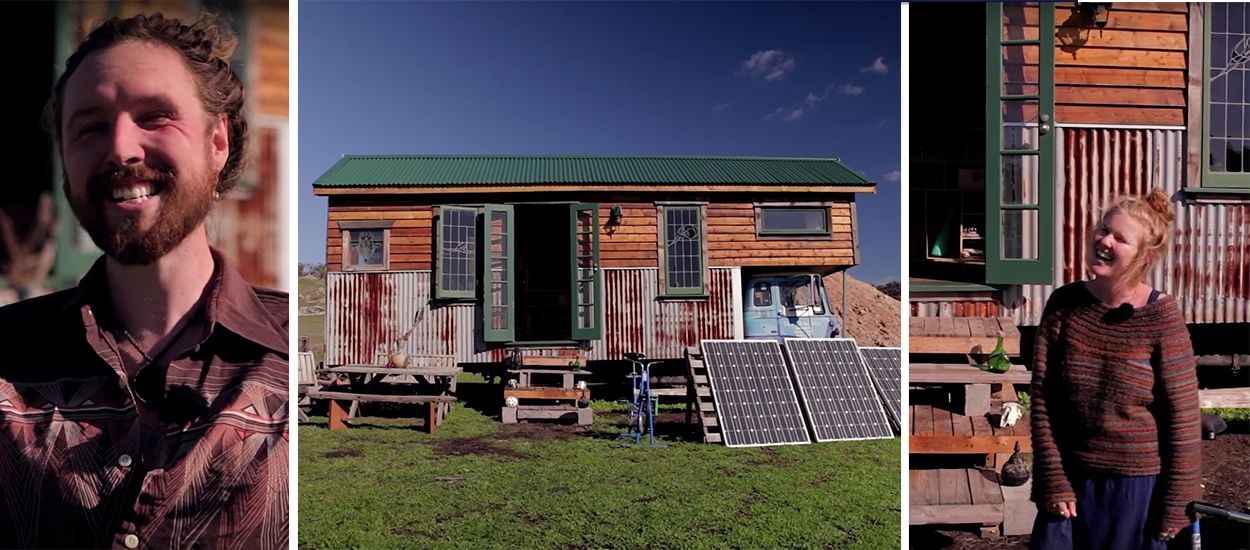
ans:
(451, 170)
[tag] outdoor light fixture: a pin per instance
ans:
(1098, 12)
(614, 217)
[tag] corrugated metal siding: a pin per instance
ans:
(434, 170)
(1207, 267)
(367, 312)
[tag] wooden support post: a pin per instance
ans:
(337, 415)
(976, 399)
(431, 417)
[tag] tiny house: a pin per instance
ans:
(1045, 112)
(481, 257)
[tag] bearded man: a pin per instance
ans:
(147, 407)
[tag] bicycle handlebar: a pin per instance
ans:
(1212, 510)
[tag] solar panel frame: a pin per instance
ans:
(885, 367)
(779, 419)
(860, 413)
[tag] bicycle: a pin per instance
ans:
(1197, 509)
(642, 406)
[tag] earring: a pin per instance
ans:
(216, 195)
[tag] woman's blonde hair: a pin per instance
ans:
(1155, 214)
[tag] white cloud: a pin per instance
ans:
(720, 107)
(813, 99)
(850, 89)
(769, 64)
(878, 66)
(794, 115)
(774, 114)
(893, 176)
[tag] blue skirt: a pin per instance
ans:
(1113, 513)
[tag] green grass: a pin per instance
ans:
(314, 327)
(385, 484)
(1230, 415)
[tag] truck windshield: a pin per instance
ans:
(801, 293)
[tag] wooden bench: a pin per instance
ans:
(338, 413)
(307, 381)
(976, 382)
(955, 496)
(962, 335)
(1224, 398)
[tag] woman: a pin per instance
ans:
(1115, 396)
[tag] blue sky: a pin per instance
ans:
(696, 78)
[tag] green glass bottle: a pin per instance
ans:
(998, 361)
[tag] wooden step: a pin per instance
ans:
(707, 406)
(709, 421)
(955, 496)
(700, 380)
(711, 438)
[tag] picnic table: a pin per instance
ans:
(432, 386)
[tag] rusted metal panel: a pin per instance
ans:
(367, 313)
(1207, 266)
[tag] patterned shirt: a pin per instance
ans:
(1115, 393)
(84, 463)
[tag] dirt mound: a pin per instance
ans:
(875, 318)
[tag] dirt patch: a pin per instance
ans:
(771, 458)
(343, 453)
(529, 518)
(644, 500)
(1225, 471)
(1224, 477)
(474, 446)
(541, 432)
(874, 319)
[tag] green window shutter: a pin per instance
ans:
(1221, 132)
(498, 275)
(681, 234)
(1019, 155)
(585, 277)
(455, 275)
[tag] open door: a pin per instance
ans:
(498, 287)
(1019, 156)
(584, 264)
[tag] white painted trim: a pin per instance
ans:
(735, 277)
(1120, 126)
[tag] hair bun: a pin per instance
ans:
(1160, 204)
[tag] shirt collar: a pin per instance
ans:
(232, 303)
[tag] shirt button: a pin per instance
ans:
(124, 461)
(131, 541)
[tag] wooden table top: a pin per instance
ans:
(374, 369)
(931, 373)
(962, 335)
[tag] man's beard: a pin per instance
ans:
(184, 204)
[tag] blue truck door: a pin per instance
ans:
(762, 319)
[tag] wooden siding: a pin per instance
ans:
(731, 238)
(268, 49)
(1131, 72)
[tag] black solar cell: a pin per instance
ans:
(836, 391)
(755, 399)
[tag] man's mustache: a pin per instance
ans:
(101, 185)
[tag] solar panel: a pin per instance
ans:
(755, 399)
(836, 390)
(885, 367)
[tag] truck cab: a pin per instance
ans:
(787, 305)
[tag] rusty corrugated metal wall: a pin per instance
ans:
(1207, 267)
(367, 312)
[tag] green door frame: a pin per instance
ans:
(506, 273)
(998, 268)
(579, 263)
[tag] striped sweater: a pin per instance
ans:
(1114, 396)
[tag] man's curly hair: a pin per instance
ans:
(205, 47)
